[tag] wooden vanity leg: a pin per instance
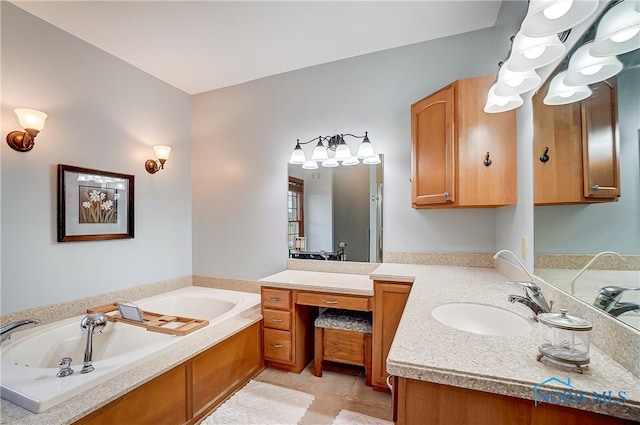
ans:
(368, 353)
(318, 352)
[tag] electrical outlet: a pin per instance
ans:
(523, 247)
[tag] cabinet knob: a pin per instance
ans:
(595, 187)
(446, 194)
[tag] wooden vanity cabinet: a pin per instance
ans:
(288, 330)
(427, 403)
(451, 136)
(390, 299)
(580, 140)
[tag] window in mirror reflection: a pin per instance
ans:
(296, 212)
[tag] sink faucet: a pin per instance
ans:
(533, 298)
(609, 300)
(91, 323)
(515, 257)
(7, 330)
(573, 281)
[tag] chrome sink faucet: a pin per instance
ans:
(609, 300)
(7, 330)
(533, 298)
(91, 323)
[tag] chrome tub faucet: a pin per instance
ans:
(533, 298)
(91, 323)
(7, 330)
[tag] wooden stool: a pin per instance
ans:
(343, 336)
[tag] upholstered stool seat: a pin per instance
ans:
(343, 336)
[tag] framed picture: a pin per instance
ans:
(94, 205)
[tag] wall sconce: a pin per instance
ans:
(162, 154)
(32, 122)
(336, 144)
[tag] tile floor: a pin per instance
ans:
(333, 392)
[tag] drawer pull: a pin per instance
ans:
(276, 299)
(273, 319)
(330, 302)
(276, 345)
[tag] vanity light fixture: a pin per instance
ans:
(496, 104)
(586, 69)
(560, 94)
(339, 150)
(162, 154)
(547, 17)
(32, 122)
(618, 31)
(515, 82)
(529, 53)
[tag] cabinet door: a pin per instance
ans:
(556, 134)
(432, 149)
(599, 142)
(389, 301)
(479, 134)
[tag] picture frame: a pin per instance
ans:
(94, 205)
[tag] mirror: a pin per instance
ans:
(341, 213)
(568, 236)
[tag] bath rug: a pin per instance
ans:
(259, 403)
(347, 417)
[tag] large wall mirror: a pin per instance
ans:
(341, 212)
(569, 236)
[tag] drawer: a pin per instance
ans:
(277, 319)
(277, 345)
(349, 302)
(278, 299)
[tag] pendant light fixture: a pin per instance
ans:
(587, 69)
(497, 103)
(547, 17)
(618, 31)
(560, 94)
(529, 53)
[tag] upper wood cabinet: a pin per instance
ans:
(451, 136)
(579, 142)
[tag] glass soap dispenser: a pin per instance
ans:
(564, 339)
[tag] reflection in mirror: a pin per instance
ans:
(569, 235)
(336, 213)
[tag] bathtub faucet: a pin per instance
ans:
(91, 323)
(7, 330)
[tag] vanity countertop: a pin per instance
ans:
(338, 283)
(425, 349)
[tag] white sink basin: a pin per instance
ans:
(481, 319)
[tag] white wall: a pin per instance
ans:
(103, 114)
(243, 136)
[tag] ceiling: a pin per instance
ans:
(197, 46)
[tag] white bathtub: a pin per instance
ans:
(30, 359)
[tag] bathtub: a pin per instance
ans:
(30, 359)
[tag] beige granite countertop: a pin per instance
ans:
(350, 284)
(81, 405)
(425, 349)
